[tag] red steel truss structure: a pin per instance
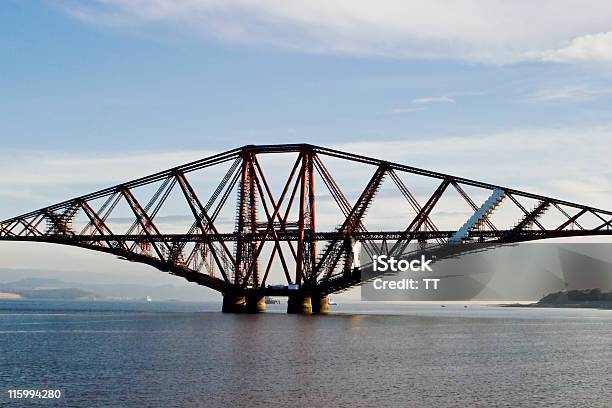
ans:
(312, 260)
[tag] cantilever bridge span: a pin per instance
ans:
(280, 220)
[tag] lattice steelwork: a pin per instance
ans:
(309, 258)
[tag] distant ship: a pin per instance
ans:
(149, 299)
(271, 301)
(331, 302)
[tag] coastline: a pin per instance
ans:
(588, 304)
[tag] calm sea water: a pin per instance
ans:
(190, 355)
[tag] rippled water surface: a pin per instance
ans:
(180, 354)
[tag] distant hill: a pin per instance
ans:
(33, 284)
(583, 298)
(573, 296)
(45, 288)
(49, 289)
(58, 294)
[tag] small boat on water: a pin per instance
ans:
(331, 302)
(271, 301)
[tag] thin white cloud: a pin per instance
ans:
(437, 99)
(423, 101)
(590, 47)
(557, 162)
(551, 161)
(408, 110)
(577, 93)
(47, 168)
(461, 29)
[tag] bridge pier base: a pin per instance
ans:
(255, 304)
(234, 303)
(315, 303)
(320, 304)
(299, 304)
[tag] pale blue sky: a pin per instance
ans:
(93, 93)
(72, 85)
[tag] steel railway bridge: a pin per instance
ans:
(279, 231)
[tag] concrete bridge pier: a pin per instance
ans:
(255, 303)
(314, 303)
(233, 303)
(299, 304)
(320, 304)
